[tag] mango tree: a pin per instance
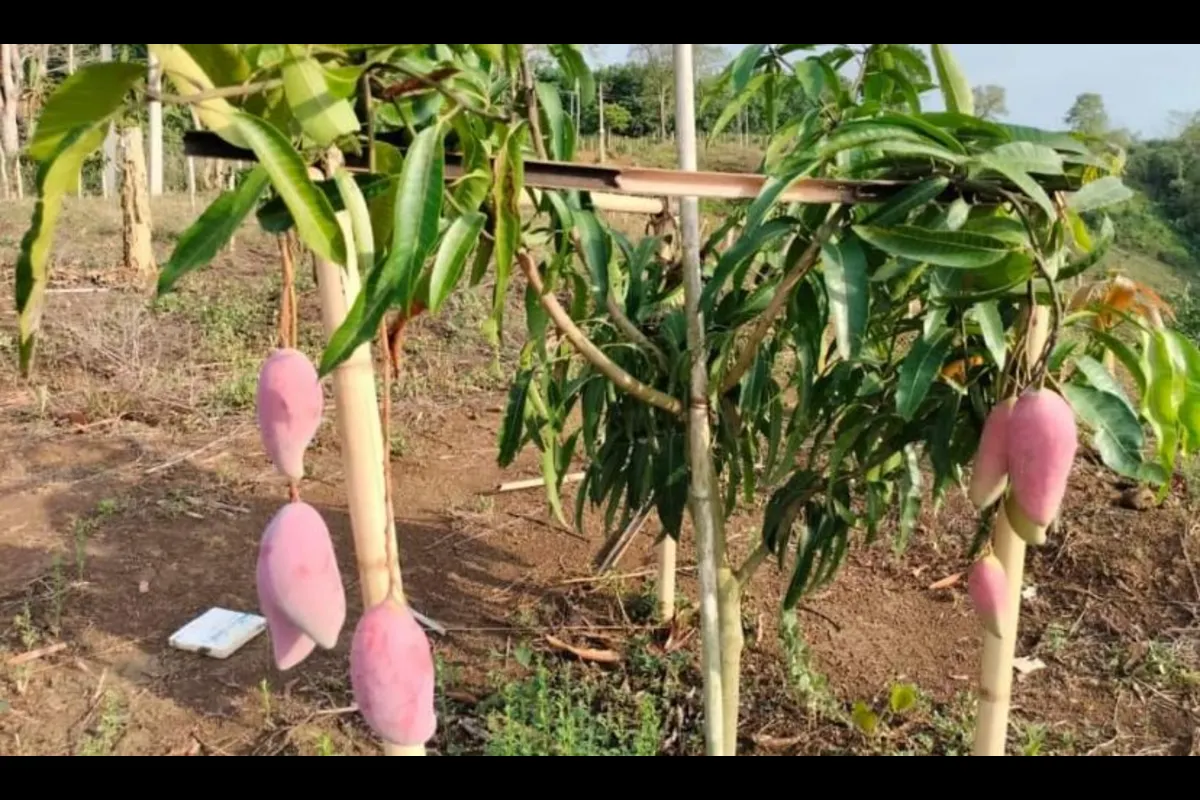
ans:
(977, 221)
(980, 225)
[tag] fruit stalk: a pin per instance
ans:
(361, 439)
(995, 686)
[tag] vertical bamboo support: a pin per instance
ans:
(154, 81)
(108, 175)
(666, 579)
(995, 686)
(699, 445)
(357, 410)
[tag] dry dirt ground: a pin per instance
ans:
(134, 490)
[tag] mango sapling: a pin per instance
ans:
(989, 476)
(298, 572)
(987, 586)
(392, 674)
(289, 406)
(1042, 439)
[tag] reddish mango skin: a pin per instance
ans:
(989, 476)
(1027, 530)
(392, 675)
(987, 586)
(289, 404)
(1042, 439)
(289, 644)
(298, 567)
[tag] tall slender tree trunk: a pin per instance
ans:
(154, 82)
(10, 83)
(108, 172)
(135, 206)
(702, 499)
(602, 147)
(662, 113)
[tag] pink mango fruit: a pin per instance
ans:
(1042, 439)
(289, 644)
(392, 675)
(989, 476)
(289, 406)
(1028, 530)
(987, 586)
(299, 572)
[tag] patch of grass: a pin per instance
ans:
(103, 737)
(569, 711)
(810, 687)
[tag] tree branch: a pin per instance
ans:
(531, 106)
(589, 350)
(625, 325)
(746, 571)
(781, 296)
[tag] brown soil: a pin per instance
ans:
(131, 504)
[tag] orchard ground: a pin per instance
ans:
(134, 491)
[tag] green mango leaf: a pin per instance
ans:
(597, 251)
(924, 127)
(1029, 157)
(1100, 379)
(846, 285)
(919, 369)
(911, 484)
(896, 210)
(955, 88)
(201, 242)
(512, 428)
(322, 115)
(198, 68)
(573, 64)
(742, 67)
(311, 210)
(1165, 384)
(1057, 139)
(1117, 432)
(1024, 181)
(1100, 248)
(954, 249)
(88, 97)
(556, 120)
(452, 256)
(360, 220)
(510, 180)
(1126, 356)
(1006, 229)
(57, 175)
(418, 214)
(987, 314)
(1106, 191)
(860, 134)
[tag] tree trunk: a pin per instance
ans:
(191, 166)
(154, 85)
(135, 206)
(600, 146)
(10, 143)
(108, 173)
(701, 498)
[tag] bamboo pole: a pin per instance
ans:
(700, 446)
(995, 686)
(361, 444)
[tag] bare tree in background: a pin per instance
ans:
(990, 102)
(658, 59)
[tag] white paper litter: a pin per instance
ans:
(1025, 665)
(218, 632)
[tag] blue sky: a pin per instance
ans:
(1141, 83)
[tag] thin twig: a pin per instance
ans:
(778, 301)
(197, 451)
(589, 350)
(531, 106)
(242, 90)
(534, 483)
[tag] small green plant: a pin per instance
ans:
(324, 745)
(811, 687)
(103, 738)
(902, 698)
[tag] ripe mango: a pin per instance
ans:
(987, 585)
(989, 475)
(289, 644)
(298, 571)
(1042, 439)
(289, 406)
(392, 675)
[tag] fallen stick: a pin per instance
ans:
(533, 483)
(611, 554)
(34, 655)
(431, 624)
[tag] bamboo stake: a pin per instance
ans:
(995, 686)
(700, 446)
(362, 445)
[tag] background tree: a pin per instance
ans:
(1087, 115)
(990, 102)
